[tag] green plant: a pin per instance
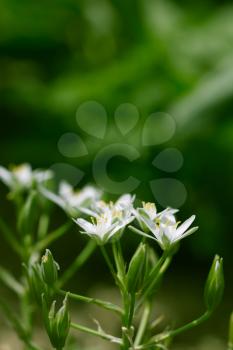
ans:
(137, 280)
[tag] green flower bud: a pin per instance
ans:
(215, 284)
(63, 321)
(57, 324)
(49, 268)
(135, 268)
(36, 283)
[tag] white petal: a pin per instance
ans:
(187, 233)
(65, 189)
(183, 227)
(52, 197)
(42, 176)
(125, 201)
(141, 233)
(6, 176)
(87, 226)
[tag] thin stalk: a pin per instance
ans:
(9, 280)
(104, 304)
(173, 333)
(78, 262)
(129, 308)
(10, 238)
(31, 345)
(96, 333)
(108, 262)
(43, 226)
(51, 237)
(143, 323)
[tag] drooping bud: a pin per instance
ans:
(215, 284)
(135, 268)
(57, 324)
(49, 268)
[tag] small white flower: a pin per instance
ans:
(167, 231)
(22, 177)
(108, 219)
(72, 201)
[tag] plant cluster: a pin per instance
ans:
(138, 280)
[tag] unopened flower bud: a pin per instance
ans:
(135, 268)
(57, 324)
(215, 284)
(49, 268)
(36, 283)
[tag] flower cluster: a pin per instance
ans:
(107, 221)
(137, 278)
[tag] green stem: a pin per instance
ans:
(9, 280)
(104, 304)
(108, 262)
(143, 323)
(10, 238)
(129, 303)
(78, 262)
(96, 333)
(190, 325)
(43, 226)
(53, 236)
(32, 346)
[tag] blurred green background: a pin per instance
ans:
(162, 56)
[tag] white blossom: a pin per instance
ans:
(108, 219)
(70, 200)
(163, 226)
(22, 177)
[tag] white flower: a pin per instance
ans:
(22, 177)
(108, 219)
(72, 201)
(167, 231)
(124, 204)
